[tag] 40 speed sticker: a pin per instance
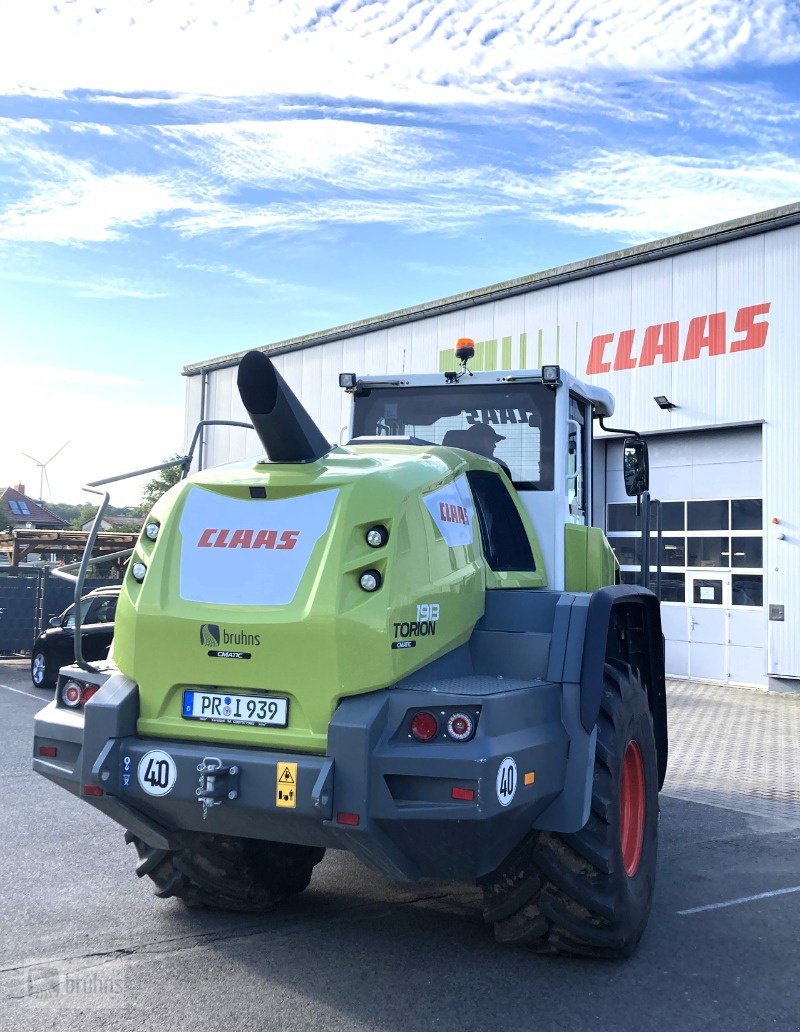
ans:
(506, 781)
(157, 772)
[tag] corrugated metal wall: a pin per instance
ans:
(663, 301)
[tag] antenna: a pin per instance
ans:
(43, 478)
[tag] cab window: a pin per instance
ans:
(513, 424)
(505, 542)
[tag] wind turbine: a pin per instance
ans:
(43, 478)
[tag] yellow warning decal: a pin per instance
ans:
(286, 785)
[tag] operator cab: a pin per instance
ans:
(536, 424)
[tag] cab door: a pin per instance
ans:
(579, 458)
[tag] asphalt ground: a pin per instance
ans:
(85, 945)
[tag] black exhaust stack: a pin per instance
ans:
(284, 427)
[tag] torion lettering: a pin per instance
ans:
(415, 629)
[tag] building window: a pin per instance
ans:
(622, 517)
(673, 516)
(708, 515)
(747, 589)
(673, 551)
(723, 535)
(702, 552)
(746, 514)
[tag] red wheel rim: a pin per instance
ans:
(631, 809)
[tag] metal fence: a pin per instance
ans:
(29, 597)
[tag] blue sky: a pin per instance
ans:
(180, 180)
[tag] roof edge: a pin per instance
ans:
(653, 250)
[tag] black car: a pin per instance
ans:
(55, 648)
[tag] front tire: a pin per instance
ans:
(590, 893)
(42, 673)
(227, 873)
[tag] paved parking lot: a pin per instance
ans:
(86, 946)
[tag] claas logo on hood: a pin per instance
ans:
(280, 540)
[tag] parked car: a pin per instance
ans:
(54, 647)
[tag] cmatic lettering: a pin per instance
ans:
(706, 335)
(284, 540)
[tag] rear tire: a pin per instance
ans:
(227, 873)
(590, 893)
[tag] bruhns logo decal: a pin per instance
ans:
(209, 636)
(212, 637)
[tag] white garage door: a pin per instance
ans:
(712, 586)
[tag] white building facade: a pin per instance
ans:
(709, 322)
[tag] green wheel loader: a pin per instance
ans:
(412, 647)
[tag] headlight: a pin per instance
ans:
(370, 580)
(377, 536)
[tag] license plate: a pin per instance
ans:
(222, 708)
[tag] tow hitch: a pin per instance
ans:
(217, 783)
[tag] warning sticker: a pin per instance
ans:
(286, 785)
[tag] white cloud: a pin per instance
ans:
(299, 175)
(292, 152)
(101, 287)
(441, 211)
(65, 200)
(266, 287)
(407, 51)
(639, 196)
(82, 206)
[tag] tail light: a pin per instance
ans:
(71, 694)
(453, 725)
(76, 694)
(460, 726)
(424, 726)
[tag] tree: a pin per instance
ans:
(84, 515)
(159, 485)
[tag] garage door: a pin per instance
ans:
(712, 588)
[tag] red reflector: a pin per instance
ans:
(463, 793)
(88, 692)
(424, 726)
(92, 790)
(48, 750)
(347, 818)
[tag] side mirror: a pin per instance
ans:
(54, 621)
(635, 466)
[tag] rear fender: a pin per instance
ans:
(623, 624)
